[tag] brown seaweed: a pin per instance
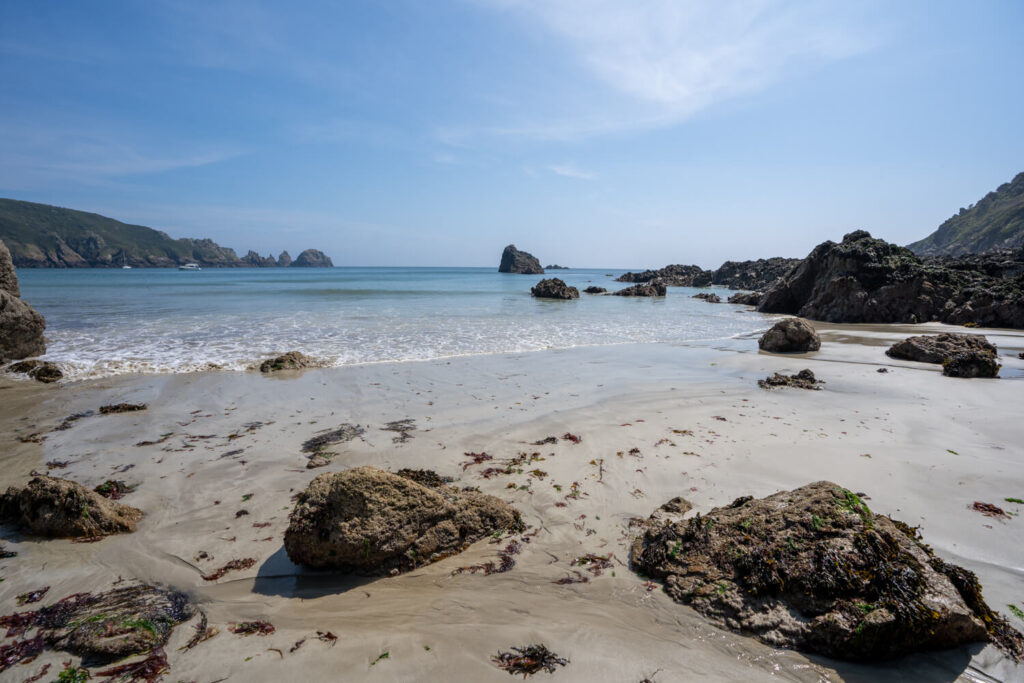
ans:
(233, 565)
(528, 660)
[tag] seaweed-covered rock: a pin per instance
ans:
(791, 335)
(804, 379)
(814, 569)
(39, 370)
(652, 288)
(746, 298)
(935, 348)
(370, 521)
(107, 626)
(975, 363)
(293, 360)
(594, 290)
(709, 297)
(60, 508)
(554, 288)
(675, 276)
(515, 261)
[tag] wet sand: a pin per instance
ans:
(233, 440)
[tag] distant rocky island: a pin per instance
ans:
(44, 236)
(522, 262)
(557, 267)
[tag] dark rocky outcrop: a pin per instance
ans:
(709, 297)
(557, 267)
(652, 288)
(974, 363)
(21, 327)
(673, 276)
(515, 261)
(60, 508)
(553, 288)
(758, 275)
(40, 370)
(938, 347)
(746, 298)
(256, 261)
(594, 290)
(791, 335)
(863, 279)
(814, 569)
(370, 521)
(312, 258)
(804, 379)
(284, 260)
(293, 360)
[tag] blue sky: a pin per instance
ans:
(592, 133)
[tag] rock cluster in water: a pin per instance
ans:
(554, 288)
(652, 288)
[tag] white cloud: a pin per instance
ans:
(572, 171)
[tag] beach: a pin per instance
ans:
(654, 421)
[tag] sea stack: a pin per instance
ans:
(313, 258)
(515, 261)
(284, 260)
(21, 327)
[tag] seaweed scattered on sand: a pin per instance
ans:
(114, 489)
(233, 565)
(122, 408)
(150, 669)
(70, 420)
(529, 660)
(163, 438)
(20, 651)
(342, 434)
(5, 553)
(203, 633)
(32, 596)
(546, 440)
(487, 568)
(249, 628)
(567, 579)
(989, 510)
(402, 427)
(569, 436)
(595, 564)
(428, 478)
(476, 459)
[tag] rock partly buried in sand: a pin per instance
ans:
(522, 262)
(710, 297)
(814, 569)
(554, 288)
(746, 298)
(791, 335)
(594, 290)
(804, 379)
(293, 360)
(935, 348)
(370, 521)
(60, 508)
(39, 370)
(652, 288)
(971, 364)
(104, 627)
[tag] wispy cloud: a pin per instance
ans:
(572, 171)
(661, 61)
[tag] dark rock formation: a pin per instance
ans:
(791, 335)
(21, 327)
(863, 279)
(757, 275)
(814, 569)
(974, 363)
(60, 508)
(673, 276)
(994, 222)
(293, 360)
(40, 370)
(746, 298)
(255, 260)
(804, 379)
(370, 521)
(553, 288)
(937, 348)
(557, 267)
(595, 290)
(515, 261)
(709, 297)
(284, 260)
(652, 288)
(312, 258)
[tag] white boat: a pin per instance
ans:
(190, 266)
(124, 262)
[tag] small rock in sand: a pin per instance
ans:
(60, 508)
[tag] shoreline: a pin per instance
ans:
(609, 628)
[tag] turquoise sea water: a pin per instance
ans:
(104, 322)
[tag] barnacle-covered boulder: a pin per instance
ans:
(61, 508)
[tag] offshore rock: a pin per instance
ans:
(312, 258)
(554, 288)
(515, 261)
(40, 370)
(370, 521)
(709, 297)
(674, 276)
(594, 290)
(284, 260)
(652, 288)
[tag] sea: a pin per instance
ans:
(104, 322)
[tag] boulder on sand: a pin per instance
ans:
(60, 508)
(746, 298)
(804, 379)
(791, 335)
(369, 521)
(515, 261)
(936, 348)
(814, 569)
(553, 288)
(293, 360)
(652, 288)
(39, 370)
(975, 363)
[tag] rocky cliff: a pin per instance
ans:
(21, 327)
(515, 261)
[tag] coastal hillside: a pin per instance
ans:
(44, 236)
(995, 222)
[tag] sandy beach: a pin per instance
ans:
(655, 421)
